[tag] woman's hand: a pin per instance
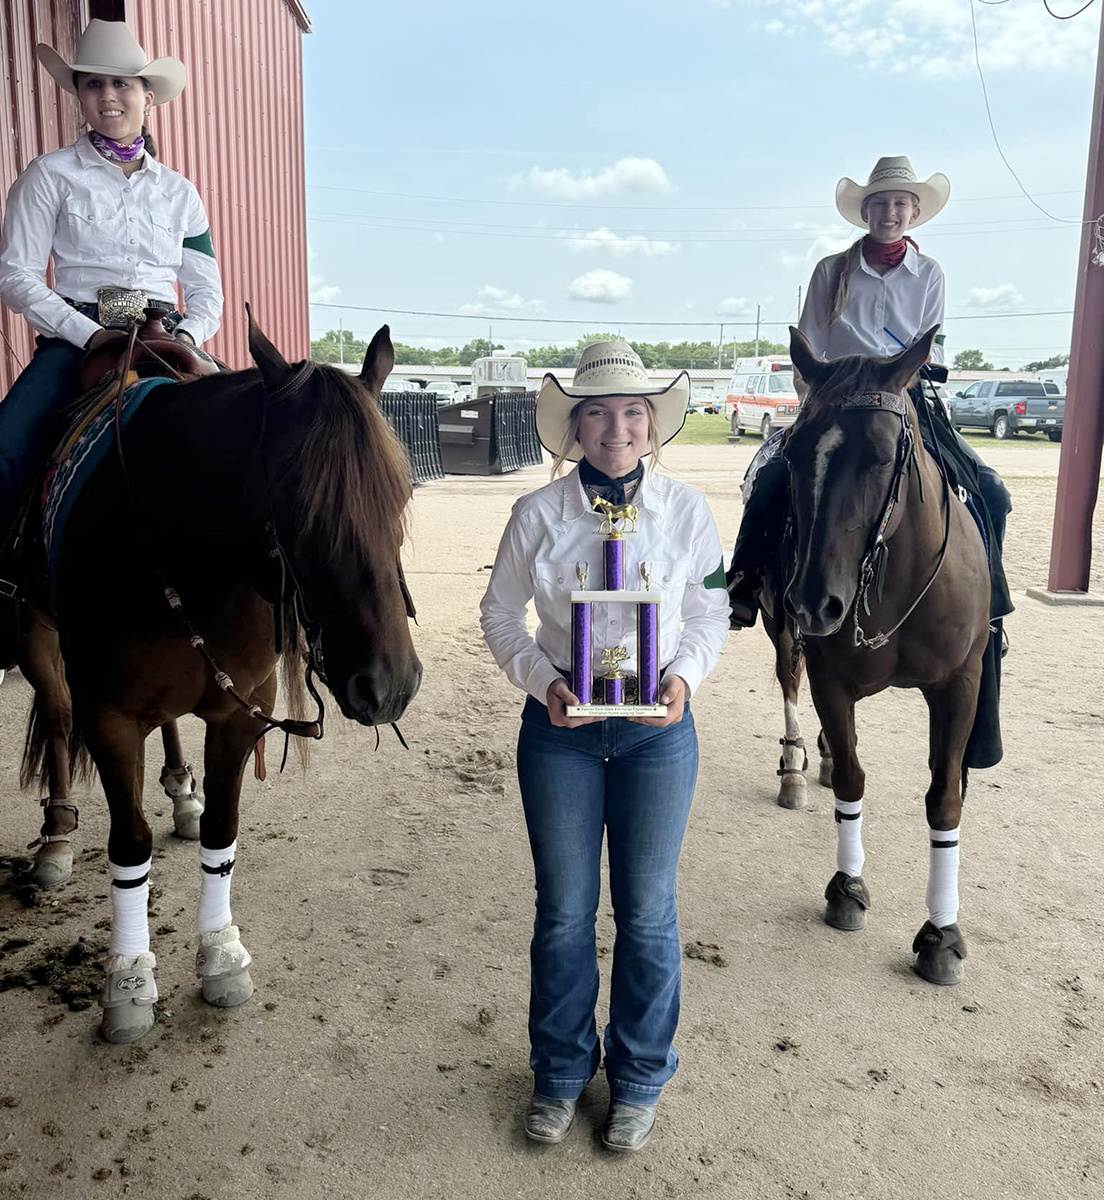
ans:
(674, 693)
(558, 698)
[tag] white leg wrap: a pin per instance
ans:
(216, 869)
(942, 893)
(221, 953)
(849, 848)
(129, 909)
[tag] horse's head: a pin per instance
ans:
(340, 482)
(843, 453)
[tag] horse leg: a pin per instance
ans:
(48, 741)
(825, 777)
(117, 744)
(939, 946)
(791, 766)
(180, 785)
(222, 962)
(846, 893)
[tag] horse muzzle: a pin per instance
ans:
(379, 694)
(816, 615)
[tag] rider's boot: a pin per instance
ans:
(743, 598)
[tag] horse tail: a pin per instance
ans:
(34, 766)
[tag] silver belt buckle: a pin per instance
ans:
(120, 308)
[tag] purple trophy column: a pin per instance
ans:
(647, 651)
(614, 690)
(615, 565)
(581, 674)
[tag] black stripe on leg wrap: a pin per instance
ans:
(224, 868)
(130, 883)
(944, 845)
(848, 816)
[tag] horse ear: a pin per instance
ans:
(899, 372)
(806, 363)
(271, 362)
(379, 361)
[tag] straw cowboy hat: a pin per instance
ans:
(893, 175)
(109, 48)
(608, 369)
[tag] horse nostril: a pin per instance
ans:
(362, 692)
(831, 610)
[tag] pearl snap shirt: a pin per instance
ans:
(552, 530)
(907, 300)
(103, 229)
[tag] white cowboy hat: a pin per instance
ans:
(892, 175)
(608, 369)
(109, 48)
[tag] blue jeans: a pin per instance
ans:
(634, 782)
(32, 420)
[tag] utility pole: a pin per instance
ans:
(1083, 430)
(798, 303)
(340, 342)
(720, 348)
(757, 311)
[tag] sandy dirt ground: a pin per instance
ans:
(387, 899)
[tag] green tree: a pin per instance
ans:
(338, 346)
(971, 360)
(476, 348)
(1047, 364)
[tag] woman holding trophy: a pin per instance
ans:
(625, 768)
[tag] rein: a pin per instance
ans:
(872, 568)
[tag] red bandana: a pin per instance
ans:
(886, 254)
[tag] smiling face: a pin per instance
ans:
(614, 432)
(114, 105)
(888, 215)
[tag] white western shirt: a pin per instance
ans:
(103, 229)
(907, 301)
(552, 530)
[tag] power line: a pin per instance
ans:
(1058, 16)
(592, 321)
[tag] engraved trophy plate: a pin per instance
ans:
(614, 689)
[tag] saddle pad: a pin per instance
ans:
(84, 453)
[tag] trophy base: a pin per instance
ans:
(616, 710)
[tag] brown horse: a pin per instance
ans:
(887, 586)
(172, 601)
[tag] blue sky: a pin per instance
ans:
(616, 162)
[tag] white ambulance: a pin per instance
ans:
(761, 395)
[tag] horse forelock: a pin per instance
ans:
(350, 472)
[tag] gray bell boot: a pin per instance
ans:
(628, 1126)
(548, 1119)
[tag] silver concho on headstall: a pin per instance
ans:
(120, 308)
(615, 687)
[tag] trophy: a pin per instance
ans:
(617, 699)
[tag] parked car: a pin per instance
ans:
(1007, 408)
(444, 389)
(400, 385)
(703, 400)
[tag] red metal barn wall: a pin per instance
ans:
(237, 133)
(38, 119)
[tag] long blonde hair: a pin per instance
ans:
(562, 461)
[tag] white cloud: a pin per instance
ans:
(934, 38)
(600, 287)
(823, 240)
(319, 292)
(1002, 298)
(736, 306)
(491, 300)
(620, 247)
(635, 175)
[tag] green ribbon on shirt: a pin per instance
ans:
(201, 243)
(715, 579)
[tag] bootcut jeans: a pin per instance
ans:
(634, 783)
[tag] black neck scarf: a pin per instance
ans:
(608, 488)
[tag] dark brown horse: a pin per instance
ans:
(887, 586)
(172, 601)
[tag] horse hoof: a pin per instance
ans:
(128, 997)
(793, 792)
(228, 991)
(186, 813)
(848, 901)
(53, 865)
(825, 776)
(222, 964)
(939, 954)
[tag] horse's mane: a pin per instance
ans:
(349, 469)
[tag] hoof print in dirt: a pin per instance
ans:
(939, 954)
(848, 900)
(708, 952)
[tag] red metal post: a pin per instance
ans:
(1083, 431)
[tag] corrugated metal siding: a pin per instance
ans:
(39, 119)
(237, 133)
